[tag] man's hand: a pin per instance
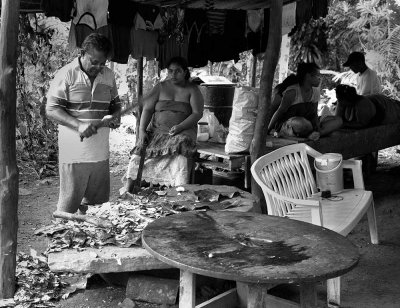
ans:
(115, 122)
(86, 129)
(110, 121)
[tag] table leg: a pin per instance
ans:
(308, 295)
(187, 290)
(247, 172)
(255, 295)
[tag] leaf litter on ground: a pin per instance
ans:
(129, 215)
(38, 287)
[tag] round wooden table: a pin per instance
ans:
(258, 250)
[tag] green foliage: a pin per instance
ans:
(39, 56)
(371, 26)
(308, 43)
(341, 39)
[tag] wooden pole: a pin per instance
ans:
(254, 71)
(139, 93)
(271, 57)
(8, 165)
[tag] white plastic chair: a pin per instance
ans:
(290, 191)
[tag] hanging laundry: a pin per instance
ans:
(257, 40)
(62, 9)
(170, 48)
(255, 20)
(288, 17)
(228, 45)
(144, 33)
(121, 42)
(173, 24)
(195, 27)
(122, 12)
(144, 44)
(92, 13)
(216, 21)
(79, 31)
(148, 18)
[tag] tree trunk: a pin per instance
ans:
(8, 166)
(271, 57)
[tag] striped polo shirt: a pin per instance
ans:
(72, 90)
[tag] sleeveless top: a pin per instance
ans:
(168, 113)
(300, 108)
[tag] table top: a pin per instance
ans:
(249, 247)
(217, 149)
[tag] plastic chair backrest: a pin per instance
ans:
(285, 172)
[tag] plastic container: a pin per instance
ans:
(202, 127)
(202, 137)
(329, 172)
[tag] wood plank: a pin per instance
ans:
(104, 260)
(187, 289)
(216, 149)
(227, 299)
(8, 162)
(353, 143)
(264, 110)
(333, 287)
(349, 143)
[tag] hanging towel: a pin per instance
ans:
(96, 8)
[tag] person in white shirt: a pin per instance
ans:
(79, 97)
(368, 81)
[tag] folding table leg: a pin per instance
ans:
(187, 290)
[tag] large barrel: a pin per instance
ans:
(218, 99)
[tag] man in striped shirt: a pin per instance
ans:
(79, 97)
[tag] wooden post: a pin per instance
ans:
(254, 71)
(8, 165)
(139, 93)
(271, 57)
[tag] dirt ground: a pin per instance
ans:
(375, 282)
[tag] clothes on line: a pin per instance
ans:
(142, 30)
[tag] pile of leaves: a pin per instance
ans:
(129, 216)
(37, 286)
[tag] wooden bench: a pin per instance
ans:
(348, 142)
(230, 162)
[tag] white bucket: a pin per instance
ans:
(329, 172)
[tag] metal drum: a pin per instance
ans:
(218, 99)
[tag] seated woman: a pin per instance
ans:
(280, 88)
(358, 111)
(301, 100)
(168, 129)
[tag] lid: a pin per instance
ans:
(215, 81)
(329, 159)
